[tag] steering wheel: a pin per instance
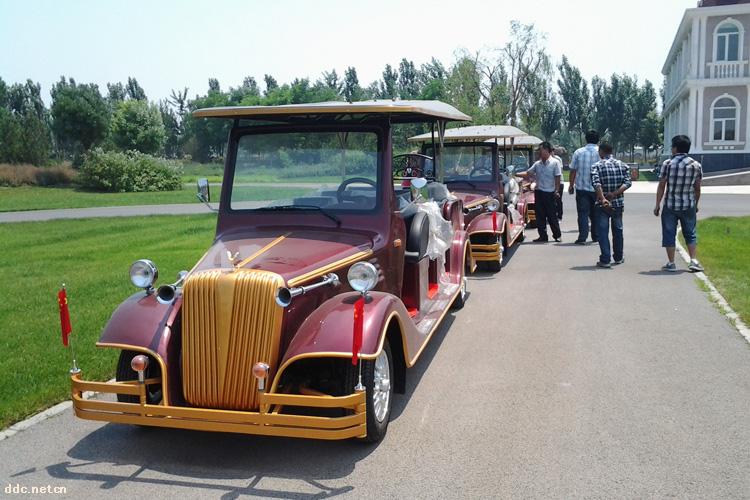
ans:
(342, 187)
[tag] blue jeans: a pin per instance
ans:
(585, 201)
(687, 219)
(603, 225)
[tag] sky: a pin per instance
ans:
(169, 44)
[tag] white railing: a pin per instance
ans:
(727, 69)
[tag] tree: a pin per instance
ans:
(408, 80)
(351, 89)
(491, 82)
(524, 55)
(134, 90)
(331, 81)
(80, 116)
(116, 93)
(574, 93)
(271, 83)
(461, 86)
(433, 77)
(137, 125)
(651, 133)
(389, 84)
(213, 85)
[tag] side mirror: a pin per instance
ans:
(419, 182)
(204, 193)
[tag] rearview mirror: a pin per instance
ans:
(419, 182)
(204, 194)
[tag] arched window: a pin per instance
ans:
(728, 41)
(724, 113)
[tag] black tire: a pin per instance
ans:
(126, 373)
(376, 429)
(460, 301)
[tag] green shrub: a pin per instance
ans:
(130, 171)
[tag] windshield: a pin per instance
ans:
(466, 163)
(319, 171)
(520, 160)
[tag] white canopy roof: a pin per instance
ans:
(476, 133)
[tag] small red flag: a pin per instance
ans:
(359, 324)
(494, 222)
(62, 301)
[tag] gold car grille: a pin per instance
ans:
(230, 321)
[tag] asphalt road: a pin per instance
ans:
(557, 380)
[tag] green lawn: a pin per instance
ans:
(92, 257)
(724, 250)
(38, 198)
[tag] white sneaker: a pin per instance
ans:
(669, 266)
(695, 266)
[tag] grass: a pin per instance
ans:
(724, 251)
(39, 198)
(92, 257)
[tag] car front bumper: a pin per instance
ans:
(268, 421)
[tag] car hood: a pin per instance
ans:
(289, 253)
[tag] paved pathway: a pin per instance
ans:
(557, 380)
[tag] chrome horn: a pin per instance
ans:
(284, 296)
(165, 294)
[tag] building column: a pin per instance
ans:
(694, 39)
(691, 115)
(698, 139)
(747, 121)
(703, 44)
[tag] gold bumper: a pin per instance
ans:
(267, 422)
(484, 253)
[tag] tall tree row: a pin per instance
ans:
(516, 84)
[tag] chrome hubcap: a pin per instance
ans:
(381, 387)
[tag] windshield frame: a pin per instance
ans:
(238, 132)
(427, 146)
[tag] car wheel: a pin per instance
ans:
(377, 376)
(125, 373)
(460, 301)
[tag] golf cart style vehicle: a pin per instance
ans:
(303, 316)
(470, 159)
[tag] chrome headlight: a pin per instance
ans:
(143, 273)
(362, 277)
(493, 205)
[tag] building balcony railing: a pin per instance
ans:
(727, 69)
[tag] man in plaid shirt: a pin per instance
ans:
(610, 178)
(680, 177)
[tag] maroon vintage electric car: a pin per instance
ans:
(471, 162)
(303, 316)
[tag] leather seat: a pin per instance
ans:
(417, 236)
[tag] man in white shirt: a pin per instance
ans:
(548, 172)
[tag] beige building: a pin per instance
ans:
(707, 84)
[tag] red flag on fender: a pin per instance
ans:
(62, 301)
(494, 222)
(359, 326)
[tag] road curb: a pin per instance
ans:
(41, 416)
(718, 298)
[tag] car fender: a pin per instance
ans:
(482, 223)
(142, 323)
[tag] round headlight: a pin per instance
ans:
(493, 205)
(362, 277)
(143, 273)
